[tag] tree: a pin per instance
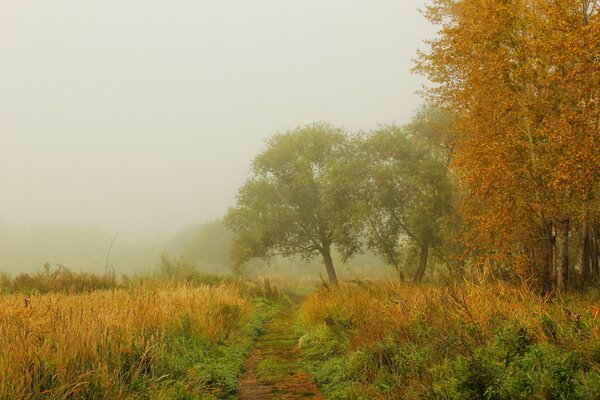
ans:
(522, 78)
(406, 193)
(297, 201)
(207, 246)
(431, 128)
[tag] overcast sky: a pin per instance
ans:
(143, 116)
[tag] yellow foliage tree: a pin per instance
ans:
(523, 78)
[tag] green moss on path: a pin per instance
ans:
(273, 369)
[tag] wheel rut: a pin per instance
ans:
(273, 371)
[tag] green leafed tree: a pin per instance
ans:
(406, 194)
(297, 201)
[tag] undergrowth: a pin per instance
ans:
(493, 342)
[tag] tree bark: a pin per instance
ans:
(422, 263)
(594, 253)
(399, 274)
(547, 260)
(326, 253)
(562, 239)
(584, 249)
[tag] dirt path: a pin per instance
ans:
(272, 371)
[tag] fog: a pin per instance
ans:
(141, 117)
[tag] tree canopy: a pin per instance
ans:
(405, 192)
(296, 203)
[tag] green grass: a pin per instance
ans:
(547, 356)
(272, 369)
(509, 367)
(197, 369)
(193, 368)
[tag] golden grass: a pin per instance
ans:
(377, 311)
(460, 341)
(69, 346)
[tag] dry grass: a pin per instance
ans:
(58, 279)
(403, 341)
(376, 311)
(97, 344)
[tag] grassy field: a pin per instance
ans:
(394, 341)
(72, 337)
(150, 340)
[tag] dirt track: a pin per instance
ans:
(272, 371)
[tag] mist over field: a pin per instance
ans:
(261, 200)
(138, 119)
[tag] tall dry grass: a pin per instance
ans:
(58, 279)
(376, 311)
(496, 341)
(96, 345)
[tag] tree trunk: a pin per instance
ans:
(547, 260)
(562, 239)
(584, 249)
(326, 253)
(594, 253)
(399, 274)
(422, 263)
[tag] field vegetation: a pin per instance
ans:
(58, 279)
(147, 339)
(468, 341)
(480, 217)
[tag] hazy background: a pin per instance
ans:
(141, 117)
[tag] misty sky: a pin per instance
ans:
(140, 117)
